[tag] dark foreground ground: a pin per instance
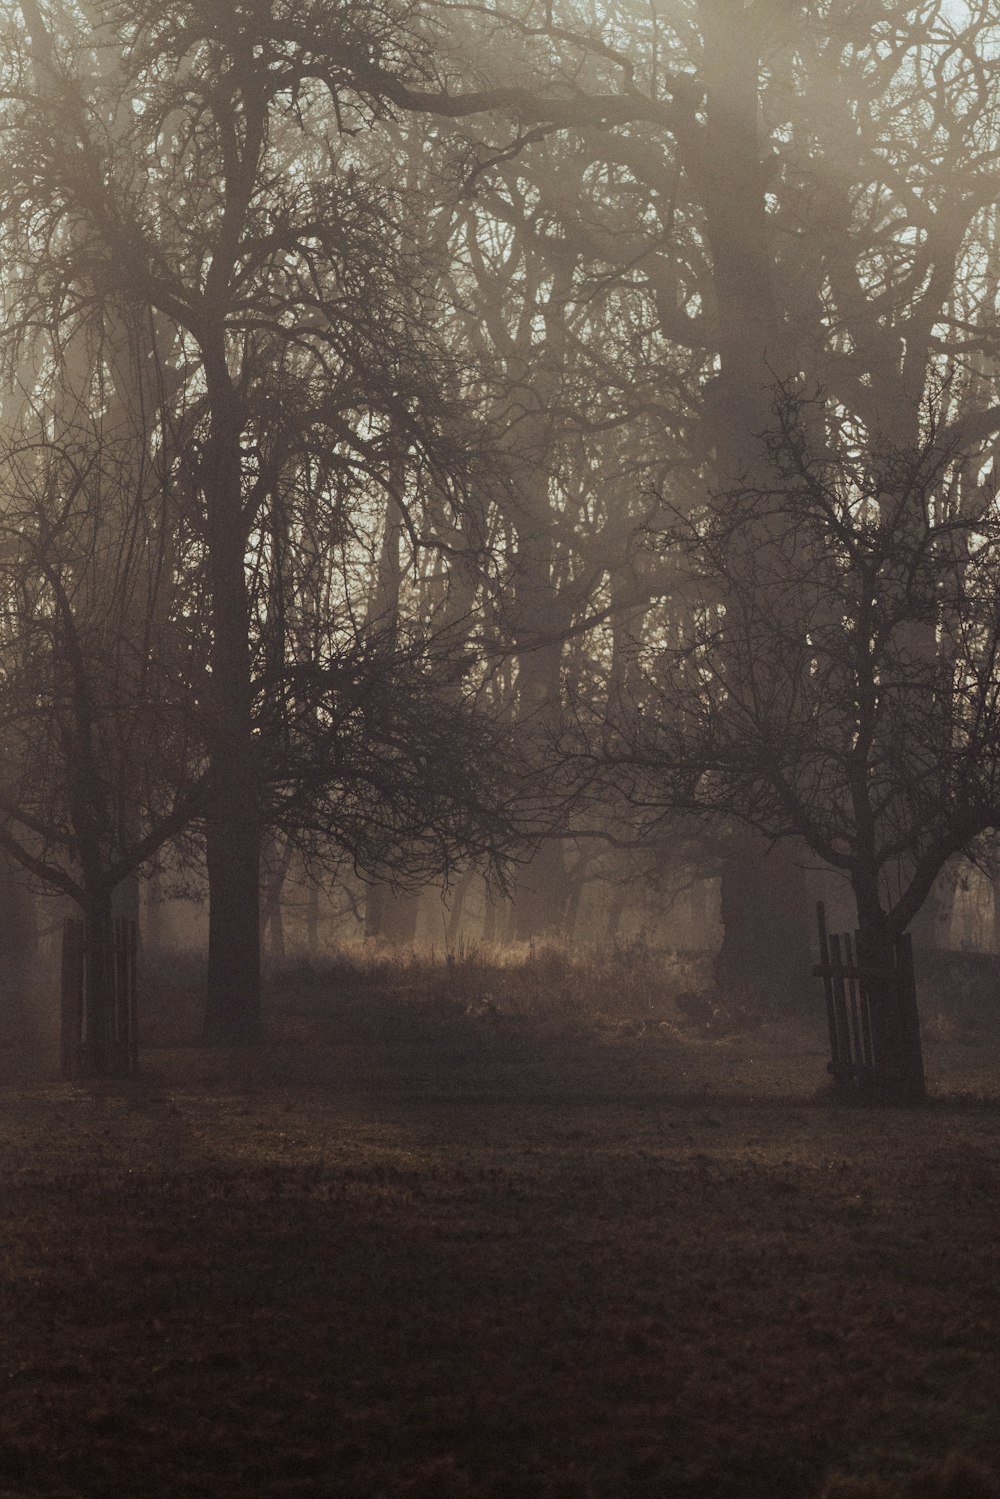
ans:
(480, 1256)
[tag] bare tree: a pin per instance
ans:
(799, 698)
(101, 763)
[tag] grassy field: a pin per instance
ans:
(435, 1244)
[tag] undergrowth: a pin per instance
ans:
(626, 984)
(363, 990)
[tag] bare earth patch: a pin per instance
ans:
(487, 1257)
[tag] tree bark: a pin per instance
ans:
(18, 944)
(895, 1040)
(233, 825)
(98, 993)
(765, 948)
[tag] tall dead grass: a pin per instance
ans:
(628, 982)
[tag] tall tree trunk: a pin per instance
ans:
(98, 993)
(391, 915)
(454, 923)
(764, 959)
(18, 945)
(541, 892)
(616, 909)
(233, 824)
(542, 895)
(766, 943)
(496, 917)
(875, 951)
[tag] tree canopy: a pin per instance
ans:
(406, 406)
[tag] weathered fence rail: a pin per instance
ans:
(98, 1034)
(871, 1013)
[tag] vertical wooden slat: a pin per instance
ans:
(824, 958)
(872, 1017)
(865, 1011)
(115, 953)
(857, 1051)
(843, 1057)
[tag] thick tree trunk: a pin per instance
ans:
(232, 1014)
(874, 932)
(98, 993)
(764, 960)
(541, 893)
(18, 945)
(541, 612)
(766, 944)
(895, 1027)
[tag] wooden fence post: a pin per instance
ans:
(872, 1018)
(117, 1050)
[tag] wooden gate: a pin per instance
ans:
(118, 1047)
(875, 1049)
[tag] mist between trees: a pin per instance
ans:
(548, 445)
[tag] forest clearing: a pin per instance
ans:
(484, 478)
(438, 1246)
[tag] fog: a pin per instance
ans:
(499, 747)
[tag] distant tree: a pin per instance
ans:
(178, 158)
(360, 236)
(100, 758)
(799, 696)
(383, 757)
